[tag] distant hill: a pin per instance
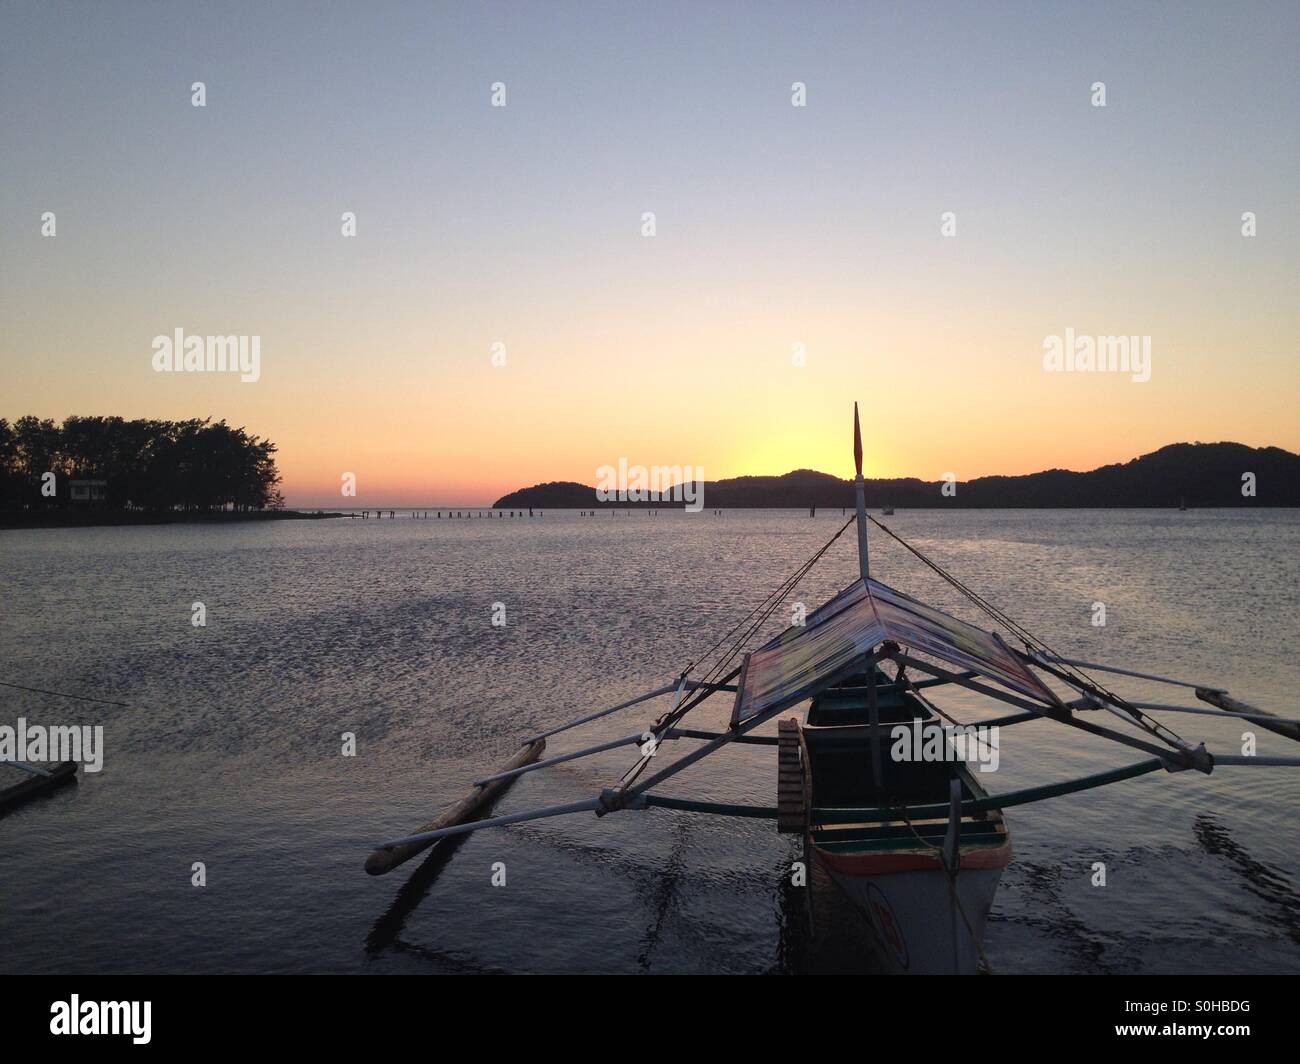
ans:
(1205, 474)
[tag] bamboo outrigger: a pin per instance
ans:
(39, 781)
(483, 795)
(912, 839)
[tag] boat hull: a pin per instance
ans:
(914, 926)
(891, 868)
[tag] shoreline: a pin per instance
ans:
(10, 522)
(101, 519)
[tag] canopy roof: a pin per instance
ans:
(803, 660)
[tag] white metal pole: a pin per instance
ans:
(587, 805)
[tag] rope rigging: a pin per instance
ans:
(1070, 674)
(715, 675)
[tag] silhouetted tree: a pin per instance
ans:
(195, 465)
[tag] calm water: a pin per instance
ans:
(229, 752)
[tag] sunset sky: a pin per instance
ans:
(776, 226)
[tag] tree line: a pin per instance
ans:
(149, 464)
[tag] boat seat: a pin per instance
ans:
(843, 774)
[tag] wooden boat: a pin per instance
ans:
(39, 781)
(897, 872)
(907, 833)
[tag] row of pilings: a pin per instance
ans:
(425, 515)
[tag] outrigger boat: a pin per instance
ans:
(914, 842)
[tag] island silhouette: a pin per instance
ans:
(1188, 474)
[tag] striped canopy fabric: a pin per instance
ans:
(803, 660)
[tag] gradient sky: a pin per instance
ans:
(776, 225)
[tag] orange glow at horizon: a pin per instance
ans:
(446, 427)
(781, 231)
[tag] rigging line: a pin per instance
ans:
(737, 626)
(979, 600)
(1072, 676)
(781, 594)
(775, 598)
(1135, 715)
(773, 602)
(1076, 676)
(64, 694)
(795, 577)
(767, 607)
(770, 606)
(1024, 634)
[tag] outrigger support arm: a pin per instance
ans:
(587, 805)
(1288, 726)
(1175, 758)
(1126, 711)
(573, 755)
(627, 740)
(1255, 759)
(1215, 696)
(1124, 672)
(629, 795)
(667, 689)
(33, 769)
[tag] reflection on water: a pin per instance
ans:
(388, 928)
(1269, 884)
(228, 748)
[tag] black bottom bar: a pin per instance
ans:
(342, 1013)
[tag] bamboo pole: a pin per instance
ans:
(1226, 702)
(382, 860)
(584, 805)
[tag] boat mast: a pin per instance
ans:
(861, 487)
(873, 709)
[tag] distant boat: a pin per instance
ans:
(888, 511)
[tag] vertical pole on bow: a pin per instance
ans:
(861, 487)
(873, 711)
